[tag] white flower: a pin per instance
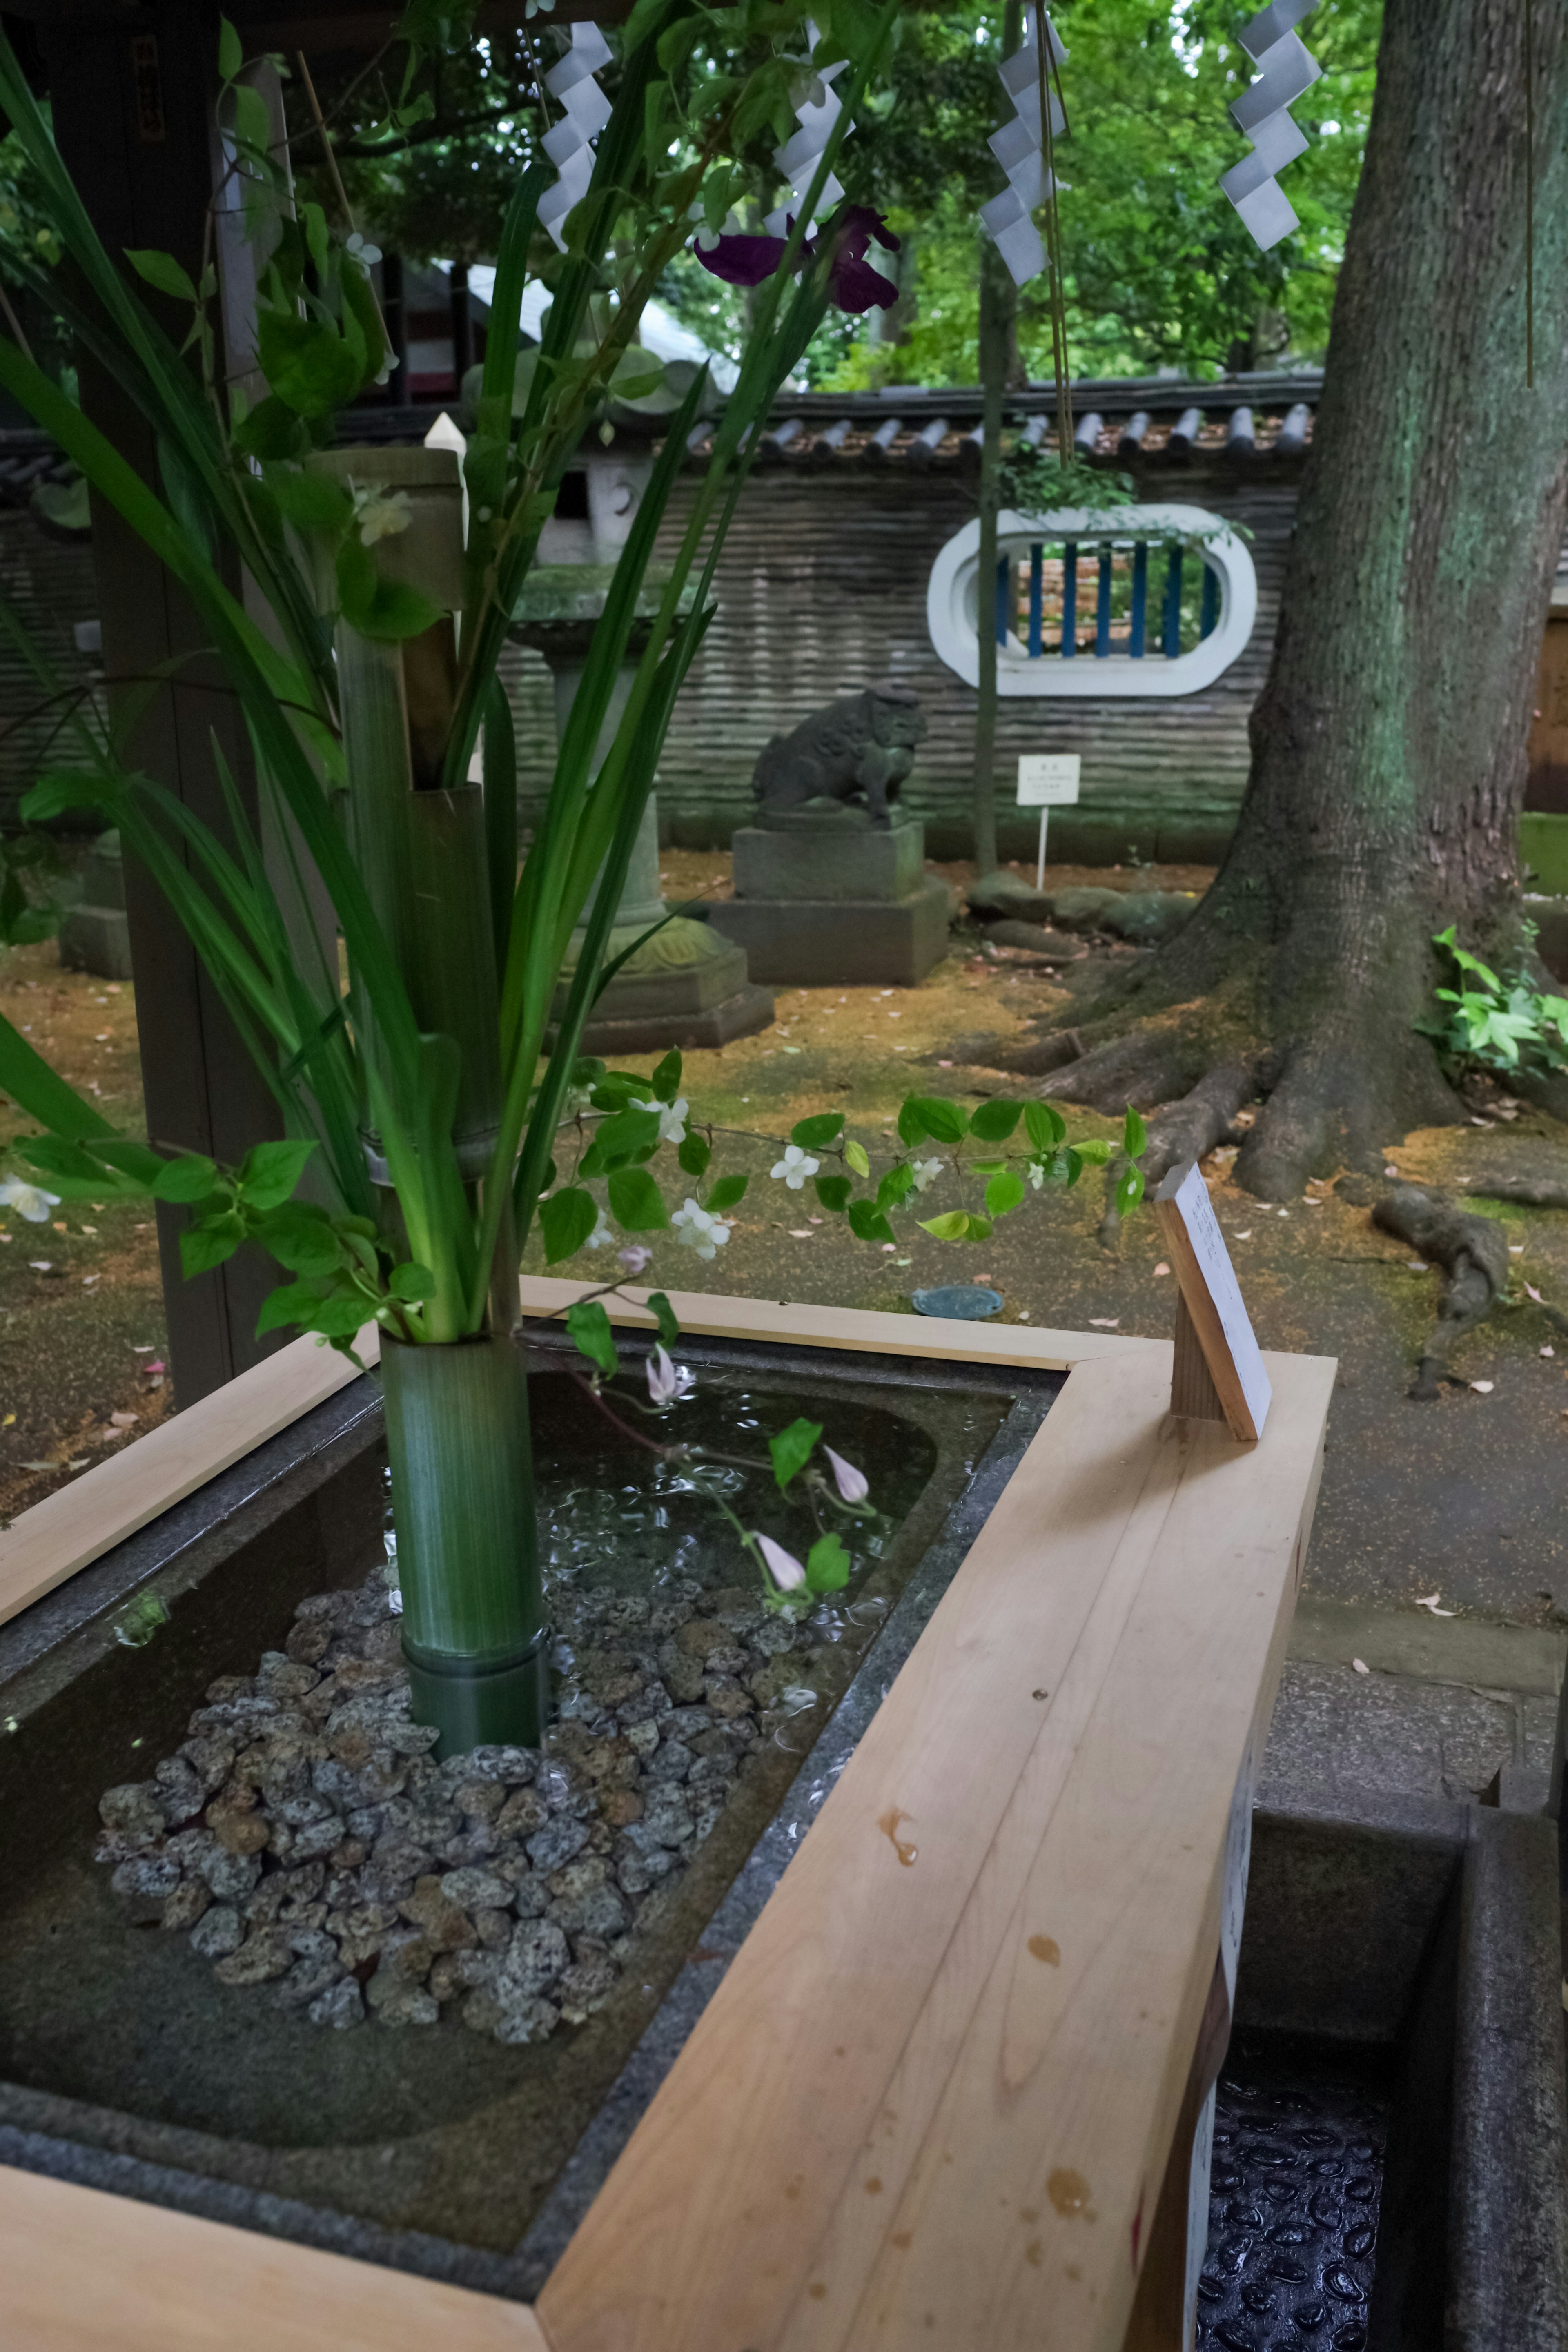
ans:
(795, 1167)
(852, 1483)
(699, 1230)
(634, 1257)
(668, 1382)
(924, 1171)
(29, 1201)
(576, 1101)
(1037, 1174)
(538, 7)
(381, 515)
(671, 1118)
(364, 250)
(603, 1231)
(782, 1566)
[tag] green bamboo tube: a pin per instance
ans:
(474, 1635)
(456, 1414)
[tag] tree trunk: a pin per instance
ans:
(1388, 747)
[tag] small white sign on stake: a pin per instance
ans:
(1048, 780)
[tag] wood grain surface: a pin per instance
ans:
(83, 2272)
(934, 2097)
(80, 1522)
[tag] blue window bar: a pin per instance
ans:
(1021, 612)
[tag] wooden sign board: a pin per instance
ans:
(1218, 1372)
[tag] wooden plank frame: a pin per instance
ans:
(934, 2098)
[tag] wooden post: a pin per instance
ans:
(132, 115)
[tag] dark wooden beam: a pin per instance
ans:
(132, 116)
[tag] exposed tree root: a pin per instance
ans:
(1527, 1195)
(1189, 1128)
(1473, 1253)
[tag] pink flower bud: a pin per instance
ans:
(852, 1483)
(782, 1566)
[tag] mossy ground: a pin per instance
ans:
(1465, 1496)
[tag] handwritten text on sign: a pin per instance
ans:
(1048, 779)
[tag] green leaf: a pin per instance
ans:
(163, 272)
(912, 1127)
(1044, 1125)
(1094, 1153)
(669, 1322)
(312, 501)
(867, 1223)
(994, 1121)
(896, 1186)
(620, 1139)
(300, 1236)
(68, 788)
(811, 1133)
(855, 1157)
(826, 1565)
(833, 1192)
(636, 1201)
(292, 1302)
(271, 431)
(190, 1177)
(270, 1173)
(385, 611)
(1129, 1191)
(726, 1194)
(252, 123)
(792, 1449)
(230, 50)
(412, 1281)
(1004, 1193)
(209, 1243)
(306, 362)
(666, 1082)
(694, 1153)
(1134, 1135)
(936, 1116)
(566, 1219)
(953, 1225)
(590, 1328)
(339, 1315)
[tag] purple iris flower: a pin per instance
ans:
(853, 284)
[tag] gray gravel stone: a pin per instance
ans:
(230, 1876)
(556, 1845)
(534, 1959)
(340, 2005)
(147, 1874)
(217, 1933)
(474, 1890)
(133, 1811)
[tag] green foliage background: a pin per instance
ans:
(1160, 272)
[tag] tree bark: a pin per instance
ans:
(1388, 747)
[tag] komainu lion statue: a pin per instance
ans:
(862, 745)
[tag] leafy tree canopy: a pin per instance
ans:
(1160, 270)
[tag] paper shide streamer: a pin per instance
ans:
(796, 159)
(1286, 69)
(1021, 147)
(569, 145)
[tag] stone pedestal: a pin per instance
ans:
(95, 936)
(825, 898)
(688, 985)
